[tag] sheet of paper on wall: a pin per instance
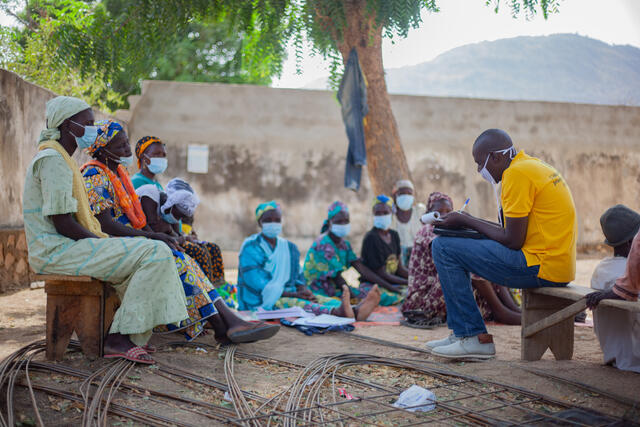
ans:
(281, 313)
(324, 321)
(198, 158)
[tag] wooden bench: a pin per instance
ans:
(81, 304)
(548, 319)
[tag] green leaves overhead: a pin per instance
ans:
(124, 41)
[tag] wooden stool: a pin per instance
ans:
(81, 304)
(548, 319)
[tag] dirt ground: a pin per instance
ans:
(22, 318)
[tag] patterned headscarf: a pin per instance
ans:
(266, 206)
(334, 208)
(107, 130)
(434, 197)
(384, 199)
(142, 144)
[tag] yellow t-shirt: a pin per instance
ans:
(532, 188)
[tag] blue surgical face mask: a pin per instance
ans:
(88, 138)
(341, 230)
(272, 229)
(157, 165)
(126, 161)
(168, 217)
(404, 201)
(383, 222)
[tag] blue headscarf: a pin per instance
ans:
(384, 199)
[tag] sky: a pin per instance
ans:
(462, 22)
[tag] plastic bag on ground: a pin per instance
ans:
(416, 398)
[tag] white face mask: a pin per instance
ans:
(404, 201)
(485, 172)
(383, 222)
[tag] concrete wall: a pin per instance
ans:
(22, 118)
(22, 108)
(290, 145)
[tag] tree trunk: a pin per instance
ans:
(386, 161)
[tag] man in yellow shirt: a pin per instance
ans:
(534, 244)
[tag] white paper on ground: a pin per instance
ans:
(282, 313)
(416, 398)
(324, 321)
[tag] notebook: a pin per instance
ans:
(459, 232)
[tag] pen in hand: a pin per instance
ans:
(464, 205)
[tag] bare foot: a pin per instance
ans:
(255, 331)
(371, 301)
(345, 309)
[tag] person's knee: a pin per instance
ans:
(156, 249)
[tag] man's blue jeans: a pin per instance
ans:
(455, 258)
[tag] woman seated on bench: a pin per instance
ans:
(64, 237)
(116, 206)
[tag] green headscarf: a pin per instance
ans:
(266, 206)
(59, 109)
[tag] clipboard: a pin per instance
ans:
(459, 232)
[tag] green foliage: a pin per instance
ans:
(110, 45)
(530, 7)
(134, 35)
(31, 59)
(323, 22)
(79, 48)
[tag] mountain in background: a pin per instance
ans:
(560, 67)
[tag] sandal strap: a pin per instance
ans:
(136, 352)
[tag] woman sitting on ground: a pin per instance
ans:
(406, 218)
(152, 161)
(116, 206)
(424, 306)
(269, 273)
(382, 253)
(166, 213)
(331, 254)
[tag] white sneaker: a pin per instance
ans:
(430, 345)
(478, 347)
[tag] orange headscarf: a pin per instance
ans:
(142, 144)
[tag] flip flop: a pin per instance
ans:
(422, 323)
(262, 332)
(149, 348)
(133, 354)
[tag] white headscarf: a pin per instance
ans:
(60, 109)
(180, 193)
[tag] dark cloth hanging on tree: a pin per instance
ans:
(353, 99)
